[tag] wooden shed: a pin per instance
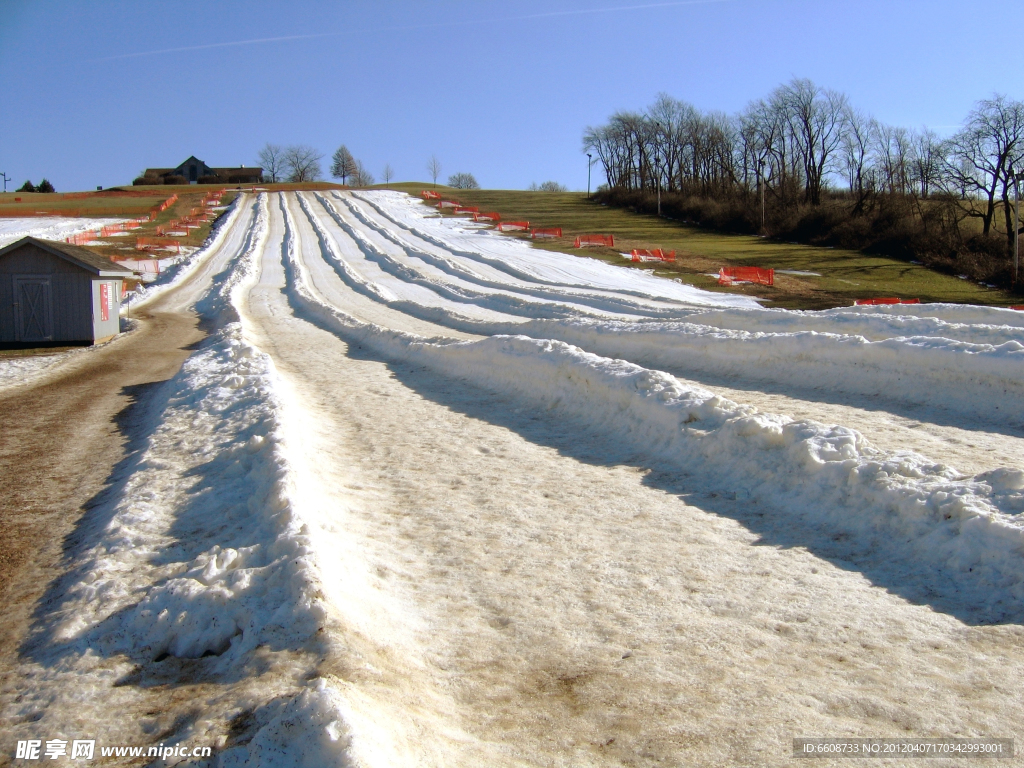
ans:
(56, 293)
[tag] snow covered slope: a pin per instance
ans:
(48, 227)
(234, 541)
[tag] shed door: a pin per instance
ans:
(33, 309)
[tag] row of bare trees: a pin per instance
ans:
(301, 163)
(803, 144)
(295, 163)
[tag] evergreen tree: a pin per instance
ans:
(343, 164)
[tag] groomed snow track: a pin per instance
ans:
(480, 504)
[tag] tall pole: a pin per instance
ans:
(657, 172)
(1016, 225)
(6, 179)
(589, 162)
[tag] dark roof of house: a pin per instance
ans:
(246, 170)
(82, 257)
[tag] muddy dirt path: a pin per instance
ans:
(61, 439)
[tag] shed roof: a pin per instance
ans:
(82, 257)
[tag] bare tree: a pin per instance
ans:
(434, 168)
(979, 157)
(272, 161)
(388, 173)
(463, 181)
(857, 158)
(302, 163)
(927, 161)
(343, 164)
(817, 121)
(362, 177)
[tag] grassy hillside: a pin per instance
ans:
(843, 275)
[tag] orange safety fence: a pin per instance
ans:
(82, 237)
(760, 275)
(166, 203)
(430, 195)
(513, 225)
(886, 300)
(467, 209)
(652, 254)
(123, 226)
(486, 217)
(584, 241)
(546, 232)
(146, 243)
(1018, 307)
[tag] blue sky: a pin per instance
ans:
(93, 92)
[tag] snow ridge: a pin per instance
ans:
(966, 529)
(526, 282)
(970, 369)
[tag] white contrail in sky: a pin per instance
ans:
(464, 22)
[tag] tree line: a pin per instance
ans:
(299, 163)
(803, 163)
(302, 163)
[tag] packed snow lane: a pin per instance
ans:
(524, 583)
(333, 279)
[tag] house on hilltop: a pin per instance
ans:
(195, 171)
(57, 293)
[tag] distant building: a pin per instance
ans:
(195, 171)
(52, 293)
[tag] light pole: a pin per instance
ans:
(589, 162)
(657, 178)
(6, 179)
(760, 179)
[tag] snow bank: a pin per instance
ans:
(986, 326)
(976, 379)
(244, 573)
(967, 529)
